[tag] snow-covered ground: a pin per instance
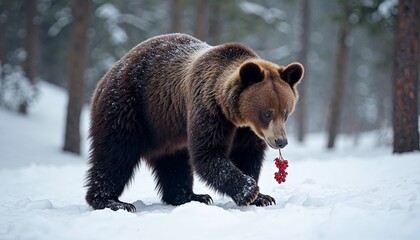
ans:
(353, 192)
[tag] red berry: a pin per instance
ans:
(282, 165)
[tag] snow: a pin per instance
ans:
(111, 14)
(113, 17)
(15, 87)
(385, 8)
(64, 17)
(353, 192)
(269, 15)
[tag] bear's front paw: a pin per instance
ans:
(247, 193)
(263, 200)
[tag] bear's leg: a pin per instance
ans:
(210, 139)
(247, 154)
(112, 162)
(175, 179)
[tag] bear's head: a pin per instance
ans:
(267, 97)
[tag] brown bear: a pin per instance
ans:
(183, 106)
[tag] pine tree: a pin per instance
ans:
(77, 69)
(31, 47)
(303, 53)
(406, 68)
(339, 77)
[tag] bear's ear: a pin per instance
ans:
(250, 73)
(292, 74)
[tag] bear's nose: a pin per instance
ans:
(281, 142)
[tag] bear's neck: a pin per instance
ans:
(227, 95)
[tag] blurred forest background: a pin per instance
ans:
(347, 48)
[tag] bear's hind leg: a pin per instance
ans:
(112, 163)
(174, 177)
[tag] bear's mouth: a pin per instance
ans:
(272, 145)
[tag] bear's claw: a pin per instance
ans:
(263, 200)
(117, 205)
(203, 198)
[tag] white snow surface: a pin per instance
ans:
(353, 192)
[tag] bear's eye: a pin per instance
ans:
(268, 115)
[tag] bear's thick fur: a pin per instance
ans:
(183, 106)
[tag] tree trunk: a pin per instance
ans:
(339, 80)
(201, 19)
(77, 69)
(216, 23)
(31, 44)
(304, 41)
(176, 11)
(4, 22)
(406, 68)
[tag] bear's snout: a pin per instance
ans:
(281, 142)
(276, 143)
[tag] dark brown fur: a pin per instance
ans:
(182, 105)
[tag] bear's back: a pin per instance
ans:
(154, 58)
(152, 66)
